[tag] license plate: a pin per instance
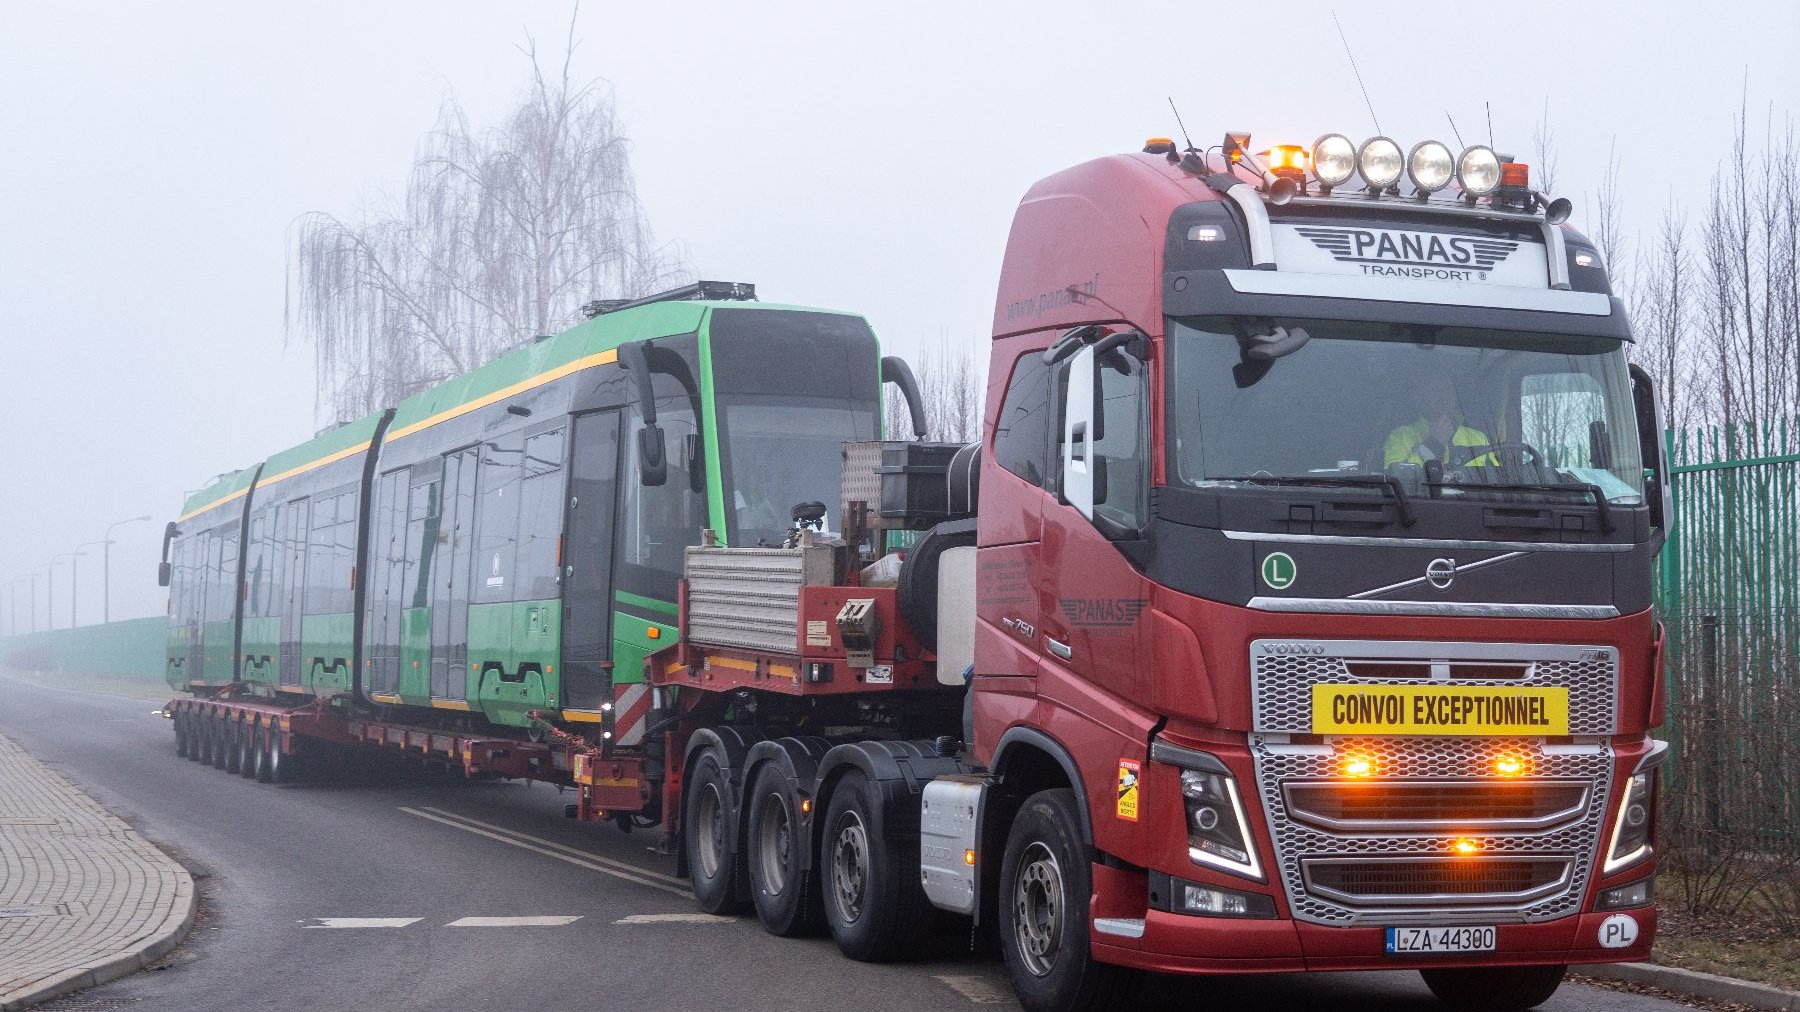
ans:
(1440, 710)
(1415, 941)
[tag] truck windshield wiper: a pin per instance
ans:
(1386, 481)
(1601, 504)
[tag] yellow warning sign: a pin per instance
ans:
(1440, 709)
(1128, 790)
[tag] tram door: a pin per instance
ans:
(450, 597)
(588, 561)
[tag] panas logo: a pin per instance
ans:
(1103, 612)
(1402, 254)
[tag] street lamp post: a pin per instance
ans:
(106, 568)
(73, 585)
(51, 604)
(49, 570)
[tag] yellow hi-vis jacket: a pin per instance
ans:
(1406, 445)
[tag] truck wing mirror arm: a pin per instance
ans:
(1659, 488)
(653, 462)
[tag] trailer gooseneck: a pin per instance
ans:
(1292, 613)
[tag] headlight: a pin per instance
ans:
(1478, 171)
(1379, 161)
(1633, 825)
(1429, 167)
(1334, 159)
(1218, 834)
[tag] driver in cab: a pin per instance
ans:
(1438, 432)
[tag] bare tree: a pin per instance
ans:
(1543, 142)
(952, 384)
(1661, 317)
(501, 237)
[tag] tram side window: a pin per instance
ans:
(540, 518)
(330, 553)
(497, 518)
(421, 543)
(657, 522)
(256, 568)
(222, 590)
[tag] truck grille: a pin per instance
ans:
(1379, 882)
(1388, 806)
(1379, 851)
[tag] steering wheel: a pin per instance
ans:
(1509, 454)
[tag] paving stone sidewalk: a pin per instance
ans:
(83, 898)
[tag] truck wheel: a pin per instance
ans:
(274, 766)
(786, 897)
(1494, 989)
(716, 872)
(203, 730)
(874, 903)
(181, 734)
(1045, 885)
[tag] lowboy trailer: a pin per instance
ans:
(1292, 613)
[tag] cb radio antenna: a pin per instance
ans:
(1458, 133)
(1183, 126)
(1354, 70)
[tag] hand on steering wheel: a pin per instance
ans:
(1506, 454)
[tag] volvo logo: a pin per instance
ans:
(1280, 649)
(1441, 573)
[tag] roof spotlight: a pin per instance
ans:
(1429, 167)
(1379, 160)
(1334, 159)
(1478, 171)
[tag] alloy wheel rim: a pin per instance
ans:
(850, 867)
(712, 831)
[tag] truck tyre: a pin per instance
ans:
(874, 903)
(716, 873)
(250, 751)
(1045, 885)
(181, 734)
(1496, 988)
(785, 895)
(203, 727)
(274, 766)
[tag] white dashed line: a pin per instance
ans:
(676, 919)
(551, 921)
(979, 990)
(364, 922)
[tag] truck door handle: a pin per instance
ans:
(1058, 648)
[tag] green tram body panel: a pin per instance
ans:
(488, 545)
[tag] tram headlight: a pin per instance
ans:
(1334, 159)
(1429, 166)
(1380, 161)
(1478, 171)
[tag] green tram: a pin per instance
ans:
(511, 540)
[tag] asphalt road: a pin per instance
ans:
(395, 859)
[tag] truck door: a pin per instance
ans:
(1013, 495)
(588, 562)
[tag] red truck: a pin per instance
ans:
(1292, 613)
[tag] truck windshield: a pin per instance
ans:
(791, 388)
(1445, 410)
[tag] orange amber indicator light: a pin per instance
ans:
(1466, 847)
(1358, 766)
(1509, 765)
(969, 857)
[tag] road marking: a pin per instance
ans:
(363, 922)
(588, 861)
(676, 919)
(624, 866)
(979, 990)
(551, 921)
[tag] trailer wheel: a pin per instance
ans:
(203, 731)
(717, 873)
(181, 734)
(786, 895)
(273, 767)
(249, 751)
(234, 745)
(221, 750)
(1045, 884)
(1494, 988)
(874, 902)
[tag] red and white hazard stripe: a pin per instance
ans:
(631, 713)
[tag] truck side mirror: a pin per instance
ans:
(163, 574)
(1078, 472)
(1659, 483)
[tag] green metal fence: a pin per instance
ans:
(131, 649)
(1729, 593)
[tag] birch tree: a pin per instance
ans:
(502, 234)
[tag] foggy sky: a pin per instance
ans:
(864, 157)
